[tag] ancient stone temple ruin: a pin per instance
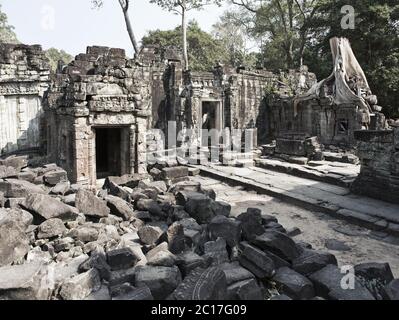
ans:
(85, 215)
(24, 78)
(93, 116)
(97, 113)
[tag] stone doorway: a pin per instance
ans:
(212, 122)
(112, 150)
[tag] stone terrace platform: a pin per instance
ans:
(315, 195)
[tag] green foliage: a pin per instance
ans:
(55, 55)
(7, 33)
(203, 50)
(288, 31)
(234, 38)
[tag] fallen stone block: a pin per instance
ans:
(251, 224)
(84, 234)
(189, 261)
(221, 208)
(61, 188)
(151, 206)
(293, 284)
(51, 228)
(391, 290)
(81, 286)
(120, 207)
(23, 218)
(235, 273)
(375, 271)
(202, 285)
(257, 262)
(127, 292)
(311, 261)
(27, 175)
(279, 244)
(54, 177)
(90, 205)
(216, 251)
(161, 256)
(17, 162)
(7, 172)
(13, 188)
(176, 238)
(14, 242)
(97, 261)
(151, 233)
(48, 207)
(120, 277)
(162, 281)
(197, 205)
(24, 282)
(192, 172)
(226, 228)
(174, 173)
(121, 259)
(328, 284)
(245, 290)
(100, 295)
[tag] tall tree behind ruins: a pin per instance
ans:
(7, 33)
(182, 7)
(125, 5)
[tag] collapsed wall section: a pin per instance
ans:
(24, 78)
(378, 151)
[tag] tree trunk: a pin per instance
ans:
(184, 32)
(130, 31)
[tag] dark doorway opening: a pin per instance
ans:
(108, 152)
(211, 120)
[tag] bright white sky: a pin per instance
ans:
(72, 25)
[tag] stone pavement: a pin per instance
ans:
(315, 195)
(338, 173)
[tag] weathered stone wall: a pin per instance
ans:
(334, 125)
(240, 95)
(24, 77)
(101, 89)
(379, 154)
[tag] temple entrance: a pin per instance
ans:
(111, 151)
(211, 115)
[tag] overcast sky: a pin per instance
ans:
(73, 24)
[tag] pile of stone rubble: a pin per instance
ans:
(155, 236)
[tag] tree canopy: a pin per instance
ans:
(55, 55)
(203, 50)
(7, 33)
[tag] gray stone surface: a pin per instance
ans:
(24, 282)
(202, 284)
(226, 228)
(90, 205)
(48, 207)
(14, 243)
(81, 286)
(162, 281)
(279, 244)
(51, 228)
(257, 262)
(293, 284)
